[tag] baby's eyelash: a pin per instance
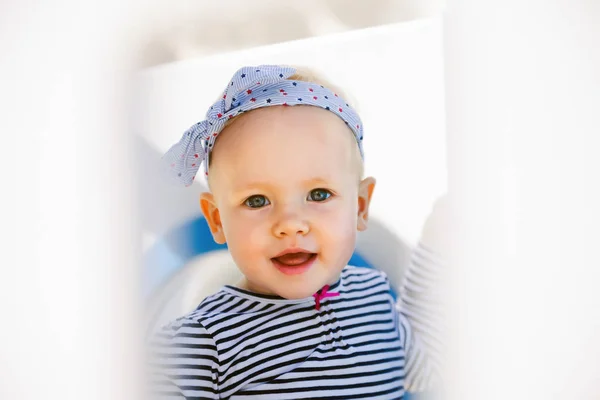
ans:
(256, 201)
(317, 195)
(328, 194)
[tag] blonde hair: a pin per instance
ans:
(305, 74)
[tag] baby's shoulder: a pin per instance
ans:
(362, 274)
(199, 319)
(214, 306)
(363, 278)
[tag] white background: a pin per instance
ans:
(522, 91)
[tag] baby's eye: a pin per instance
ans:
(256, 201)
(319, 195)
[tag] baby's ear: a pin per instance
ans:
(213, 217)
(365, 192)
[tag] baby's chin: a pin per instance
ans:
(296, 293)
(289, 291)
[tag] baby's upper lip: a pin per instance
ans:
(293, 250)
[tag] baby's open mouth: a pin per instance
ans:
(294, 259)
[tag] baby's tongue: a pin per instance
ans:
(294, 258)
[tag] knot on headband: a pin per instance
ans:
(251, 88)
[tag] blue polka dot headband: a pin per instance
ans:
(251, 88)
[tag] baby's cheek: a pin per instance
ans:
(243, 244)
(257, 235)
(247, 232)
(340, 225)
(339, 241)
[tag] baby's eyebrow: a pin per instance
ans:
(253, 186)
(317, 180)
(269, 186)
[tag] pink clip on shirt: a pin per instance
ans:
(321, 294)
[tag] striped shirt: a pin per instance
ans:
(358, 345)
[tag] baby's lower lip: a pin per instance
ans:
(295, 269)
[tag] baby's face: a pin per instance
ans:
(287, 179)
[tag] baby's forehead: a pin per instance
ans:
(285, 144)
(272, 154)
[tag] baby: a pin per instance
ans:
(287, 195)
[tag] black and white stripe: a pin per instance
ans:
(241, 345)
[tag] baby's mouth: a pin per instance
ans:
(295, 259)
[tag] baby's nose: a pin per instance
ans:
(291, 225)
